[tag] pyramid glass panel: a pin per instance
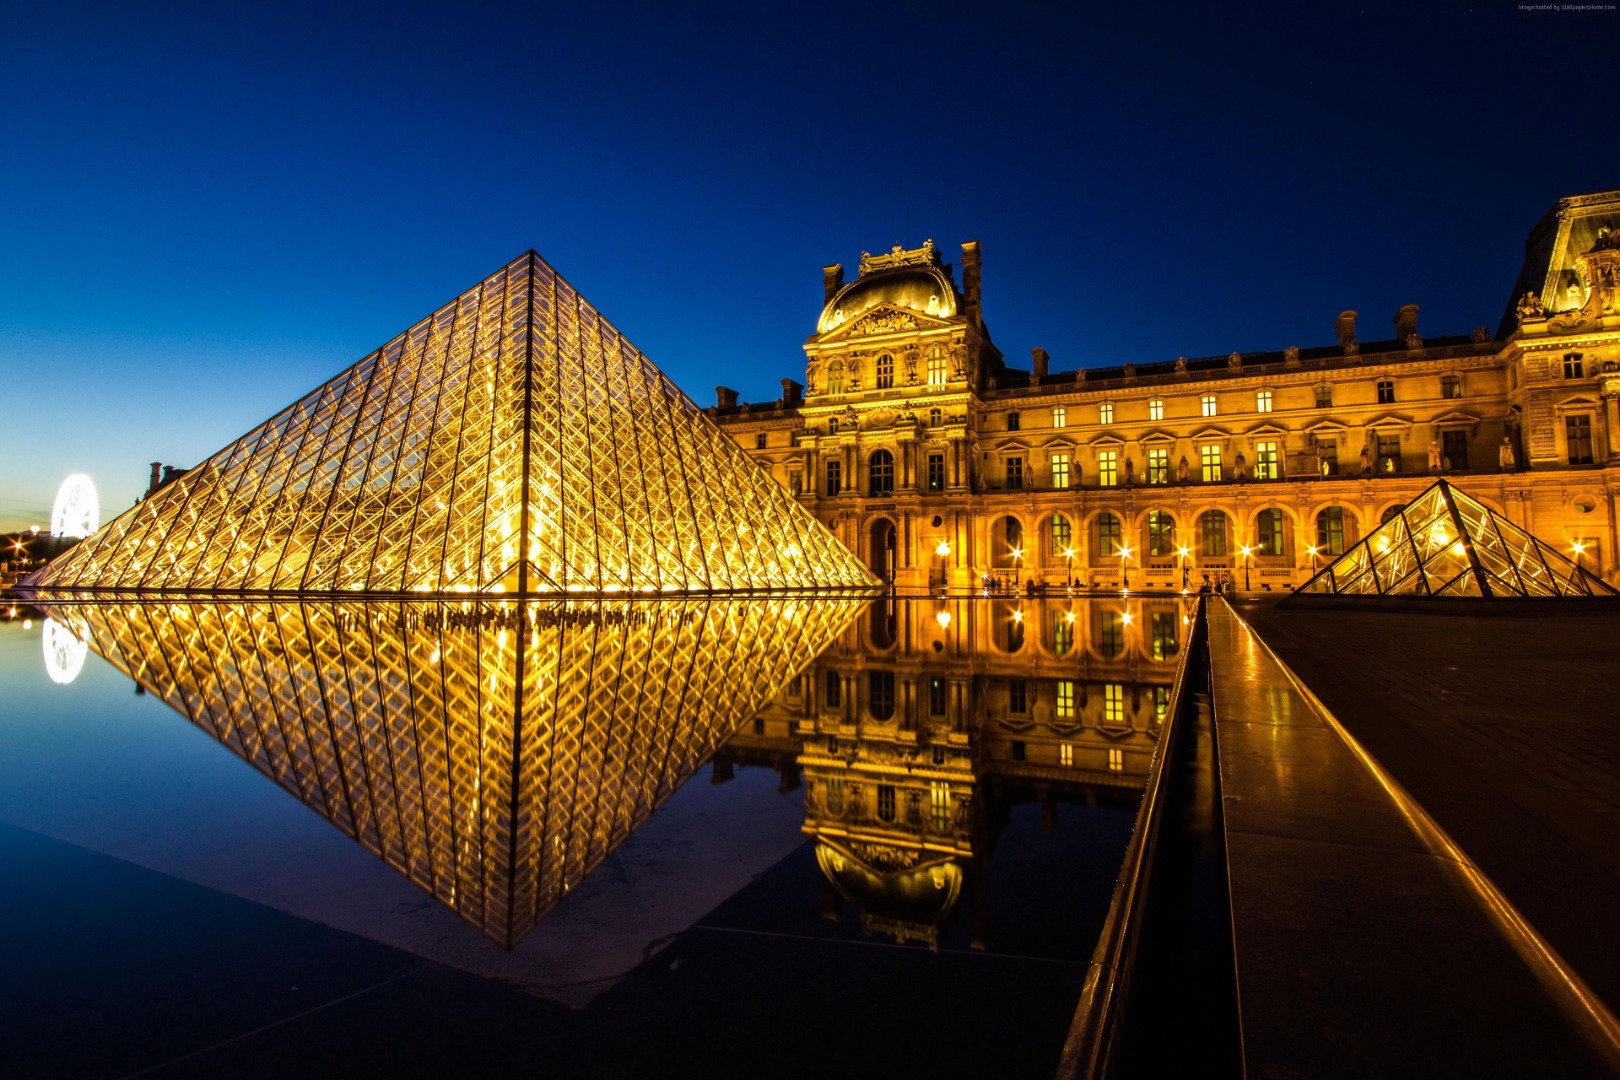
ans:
(1446, 542)
(511, 442)
(493, 752)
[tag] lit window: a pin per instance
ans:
(1065, 699)
(1451, 386)
(1161, 534)
(885, 372)
(1060, 471)
(1015, 473)
(1116, 759)
(1108, 533)
(1269, 532)
(1389, 453)
(1330, 532)
(835, 377)
(1209, 460)
(1163, 638)
(1573, 368)
(1262, 401)
(1012, 421)
(939, 805)
(1105, 413)
(835, 475)
(1060, 417)
(1208, 401)
(1578, 436)
(1386, 392)
(1161, 702)
(1156, 409)
(1265, 461)
(760, 441)
(1114, 704)
(1061, 533)
(1108, 468)
(1324, 397)
(936, 472)
(1062, 632)
(1158, 466)
(880, 473)
(935, 417)
(1065, 754)
(833, 795)
(1212, 533)
(1111, 638)
(936, 367)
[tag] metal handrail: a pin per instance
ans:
(1092, 1037)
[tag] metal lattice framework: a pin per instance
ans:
(512, 442)
(1445, 542)
(494, 753)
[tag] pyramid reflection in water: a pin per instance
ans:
(492, 753)
(1445, 542)
(512, 442)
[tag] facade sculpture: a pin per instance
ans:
(1329, 435)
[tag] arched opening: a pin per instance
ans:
(1336, 530)
(880, 549)
(835, 377)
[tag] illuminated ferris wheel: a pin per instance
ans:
(77, 512)
(64, 653)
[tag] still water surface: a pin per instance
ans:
(890, 823)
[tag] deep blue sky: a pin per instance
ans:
(205, 213)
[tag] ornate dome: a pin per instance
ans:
(921, 894)
(923, 289)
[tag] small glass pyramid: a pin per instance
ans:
(1445, 542)
(512, 442)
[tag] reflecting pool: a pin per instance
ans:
(924, 802)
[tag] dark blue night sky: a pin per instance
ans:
(204, 212)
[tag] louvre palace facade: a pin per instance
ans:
(942, 465)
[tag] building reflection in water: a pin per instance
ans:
(494, 754)
(917, 732)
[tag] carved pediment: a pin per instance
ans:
(885, 319)
(1106, 439)
(1328, 426)
(1267, 428)
(1157, 438)
(1211, 433)
(1455, 418)
(1389, 420)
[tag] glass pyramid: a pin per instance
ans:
(1445, 542)
(511, 442)
(493, 752)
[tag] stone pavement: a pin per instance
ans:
(1506, 731)
(1365, 943)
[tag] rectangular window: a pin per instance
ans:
(1451, 386)
(1212, 530)
(1114, 704)
(936, 472)
(1386, 392)
(1111, 635)
(1454, 449)
(1578, 437)
(1389, 453)
(1015, 472)
(1573, 368)
(1108, 534)
(1262, 401)
(939, 805)
(1209, 461)
(936, 417)
(1116, 759)
(1269, 532)
(1156, 409)
(1161, 534)
(1065, 699)
(1065, 754)
(1329, 451)
(835, 476)
(1158, 466)
(1060, 471)
(834, 693)
(761, 441)
(1105, 413)
(832, 793)
(885, 802)
(1018, 696)
(1161, 703)
(795, 481)
(1107, 468)
(1062, 632)
(1208, 402)
(936, 367)
(1265, 461)
(1330, 532)
(1060, 417)
(938, 694)
(1324, 397)
(1165, 625)
(1012, 421)
(1019, 750)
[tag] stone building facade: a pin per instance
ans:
(942, 465)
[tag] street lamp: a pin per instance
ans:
(1068, 553)
(943, 550)
(1181, 556)
(1579, 549)
(1018, 566)
(1124, 569)
(1247, 552)
(1312, 549)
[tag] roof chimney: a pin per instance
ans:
(156, 479)
(832, 279)
(1038, 361)
(792, 393)
(1346, 326)
(970, 274)
(725, 397)
(1406, 322)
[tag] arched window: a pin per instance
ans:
(885, 372)
(1108, 533)
(936, 366)
(1330, 531)
(1062, 536)
(1269, 536)
(1161, 531)
(1389, 515)
(880, 471)
(1212, 533)
(835, 377)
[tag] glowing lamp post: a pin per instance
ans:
(1068, 554)
(1018, 566)
(1247, 553)
(943, 551)
(1312, 549)
(1124, 569)
(1181, 558)
(1580, 551)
